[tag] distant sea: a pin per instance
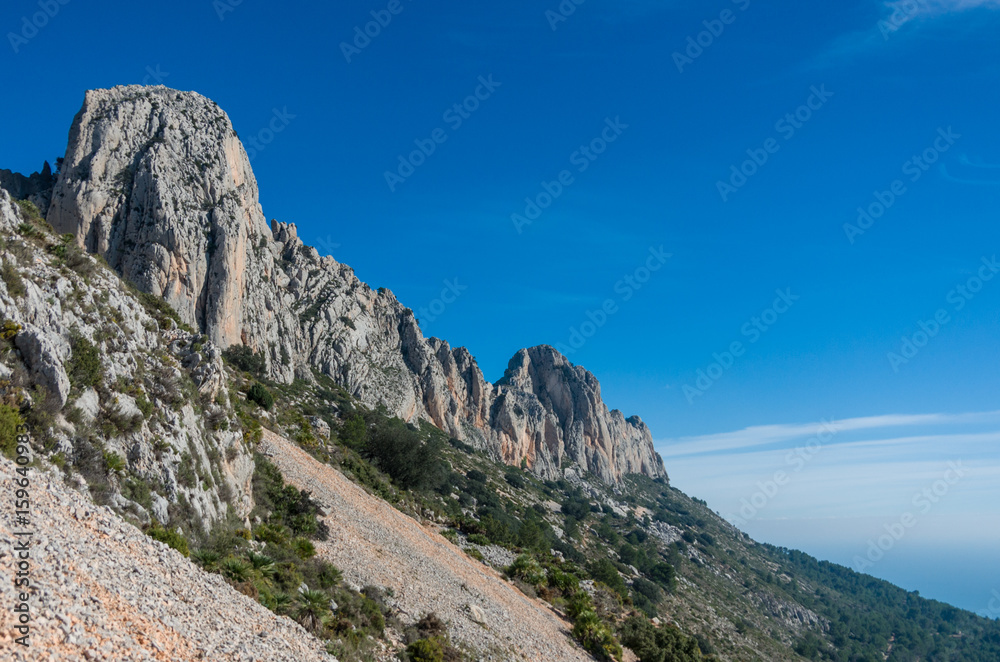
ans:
(961, 575)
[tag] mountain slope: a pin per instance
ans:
(377, 545)
(158, 183)
(104, 590)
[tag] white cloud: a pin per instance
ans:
(895, 15)
(901, 12)
(764, 435)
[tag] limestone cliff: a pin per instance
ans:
(158, 183)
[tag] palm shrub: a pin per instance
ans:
(312, 609)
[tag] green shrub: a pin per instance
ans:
(605, 571)
(9, 330)
(85, 369)
(169, 538)
(260, 395)
(10, 419)
(13, 280)
(664, 575)
(596, 637)
(479, 539)
(245, 359)
(114, 463)
(304, 549)
(426, 650)
(527, 569)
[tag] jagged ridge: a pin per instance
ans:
(157, 182)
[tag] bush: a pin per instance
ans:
(169, 538)
(260, 395)
(663, 643)
(426, 650)
(114, 463)
(605, 571)
(397, 450)
(85, 369)
(245, 359)
(664, 575)
(526, 568)
(13, 280)
(595, 636)
(10, 419)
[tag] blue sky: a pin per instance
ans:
(632, 117)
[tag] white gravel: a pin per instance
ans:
(103, 590)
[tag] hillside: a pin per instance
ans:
(104, 591)
(326, 473)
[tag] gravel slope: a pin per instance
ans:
(105, 591)
(373, 543)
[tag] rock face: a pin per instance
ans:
(157, 182)
(37, 187)
(172, 445)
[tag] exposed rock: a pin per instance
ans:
(44, 353)
(320, 427)
(139, 362)
(157, 182)
(36, 188)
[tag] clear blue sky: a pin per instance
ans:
(886, 84)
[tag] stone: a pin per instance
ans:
(125, 191)
(476, 614)
(43, 353)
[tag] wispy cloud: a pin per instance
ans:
(761, 436)
(862, 467)
(895, 17)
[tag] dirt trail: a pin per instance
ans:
(373, 543)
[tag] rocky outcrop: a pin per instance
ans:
(157, 182)
(37, 187)
(151, 392)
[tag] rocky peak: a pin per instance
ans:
(157, 182)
